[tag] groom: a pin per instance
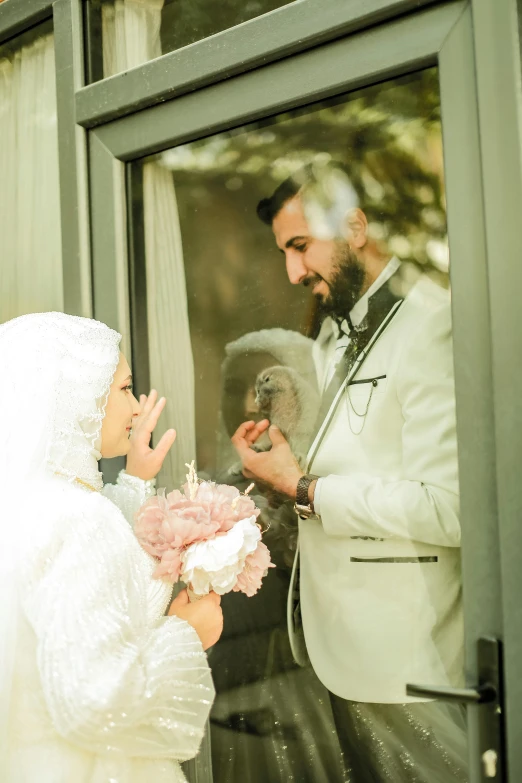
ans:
(377, 576)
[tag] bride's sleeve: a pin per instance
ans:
(113, 681)
(129, 494)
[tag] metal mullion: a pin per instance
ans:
(72, 154)
(17, 16)
(109, 239)
(109, 255)
(498, 65)
(480, 554)
(282, 32)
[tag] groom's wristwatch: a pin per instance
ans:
(302, 506)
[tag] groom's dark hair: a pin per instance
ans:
(311, 174)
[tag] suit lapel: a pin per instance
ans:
(356, 365)
(380, 305)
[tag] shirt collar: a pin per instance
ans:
(360, 309)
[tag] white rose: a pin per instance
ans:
(215, 564)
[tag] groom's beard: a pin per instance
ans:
(346, 286)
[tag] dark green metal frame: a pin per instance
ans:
(498, 68)
(17, 16)
(285, 31)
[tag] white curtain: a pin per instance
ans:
(30, 231)
(131, 35)
(171, 362)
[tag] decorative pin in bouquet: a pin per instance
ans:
(205, 535)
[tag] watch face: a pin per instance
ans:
(303, 511)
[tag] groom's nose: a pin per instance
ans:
(295, 268)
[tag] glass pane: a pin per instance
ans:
(134, 31)
(30, 239)
(297, 270)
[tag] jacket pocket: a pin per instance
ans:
(425, 559)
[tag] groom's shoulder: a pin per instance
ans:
(426, 300)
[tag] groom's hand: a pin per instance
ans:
(278, 467)
(142, 461)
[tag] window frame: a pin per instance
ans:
(267, 38)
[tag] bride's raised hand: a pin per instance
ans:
(142, 461)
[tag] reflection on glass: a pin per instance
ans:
(135, 31)
(31, 270)
(346, 201)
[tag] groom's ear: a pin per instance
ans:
(357, 225)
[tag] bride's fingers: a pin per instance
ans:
(165, 444)
(150, 402)
(152, 418)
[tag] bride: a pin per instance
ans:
(97, 685)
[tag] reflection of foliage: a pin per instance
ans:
(186, 21)
(389, 137)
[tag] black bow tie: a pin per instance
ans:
(347, 328)
(379, 304)
(344, 326)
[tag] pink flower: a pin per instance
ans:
(206, 492)
(171, 527)
(148, 526)
(190, 522)
(169, 566)
(229, 507)
(223, 493)
(245, 507)
(175, 496)
(222, 510)
(256, 567)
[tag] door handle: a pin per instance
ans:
(482, 694)
(489, 695)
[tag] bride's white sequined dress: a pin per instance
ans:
(106, 689)
(96, 684)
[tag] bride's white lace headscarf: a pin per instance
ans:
(55, 375)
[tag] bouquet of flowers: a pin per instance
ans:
(205, 535)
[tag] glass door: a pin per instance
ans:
(305, 245)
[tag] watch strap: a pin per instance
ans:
(301, 494)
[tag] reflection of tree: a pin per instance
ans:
(186, 21)
(387, 134)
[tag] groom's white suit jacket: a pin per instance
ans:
(380, 581)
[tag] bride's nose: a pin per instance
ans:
(136, 408)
